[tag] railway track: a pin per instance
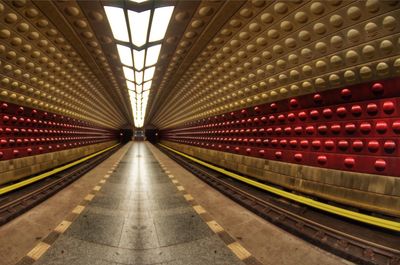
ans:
(19, 201)
(356, 242)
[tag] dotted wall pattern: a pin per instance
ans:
(41, 66)
(273, 50)
(26, 132)
(354, 128)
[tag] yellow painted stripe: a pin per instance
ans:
(364, 218)
(38, 250)
(239, 250)
(51, 172)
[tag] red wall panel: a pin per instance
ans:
(354, 128)
(25, 131)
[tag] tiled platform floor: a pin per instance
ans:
(138, 217)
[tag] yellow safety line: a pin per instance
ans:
(376, 221)
(51, 172)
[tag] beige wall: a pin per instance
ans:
(372, 192)
(11, 170)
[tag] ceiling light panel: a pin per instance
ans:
(128, 72)
(149, 73)
(139, 24)
(125, 55)
(138, 57)
(116, 18)
(159, 25)
(139, 64)
(152, 54)
(139, 77)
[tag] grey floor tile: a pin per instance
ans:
(97, 228)
(180, 228)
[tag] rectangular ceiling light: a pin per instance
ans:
(139, 77)
(128, 72)
(152, 54)
(130, 85)
(138, 24)
(138, 1)
(125, 55)
(159, 25)
(138, 58)
(116, 18)
(149, 73)
(139, 89)
(147, 85)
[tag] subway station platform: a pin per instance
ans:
(140, 207)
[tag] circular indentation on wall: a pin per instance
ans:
(290, 42)
(365, 72)
(301, 17)
(31, 12)
(354, 13)
(4, 34)
(319, 28)
(206, 11)
(246, 12)
(244, 35)
(106, 39)
(16, 41)
(258, 3)
(371, 29)
(267, 18)
(321, 47)
(386, 46)
(389, 23)
(280, 8)
(52, 32)
(337, 41)
(286, 25)
(336, 21)
(96, 16)
(181, 16)
(368, 51)
(42, 23)
(11, 18)
(372, 5)
(273, 34)
(382, 68)
(80, 23)
(19, 3)
(317, 8)
(304, 35)
(72, 11)
(197, 23)
(353, 35)
(254, 27)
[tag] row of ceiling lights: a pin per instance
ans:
(139, 37)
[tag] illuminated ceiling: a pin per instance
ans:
(216, 56)
(139, 35)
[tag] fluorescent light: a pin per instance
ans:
(152, 54)
(139, 89)
(147, 85)
(128, 72)
(139, 23)
(116, 18)
(130, 86)
(138, 1)
(149, 73)
(160, 22)
(125, 55)
(139, 77)
(138, 57)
